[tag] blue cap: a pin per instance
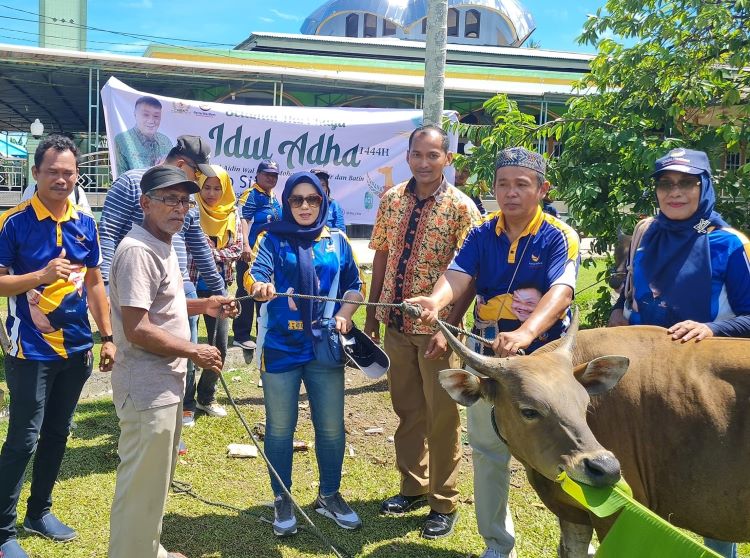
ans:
(683, 160)
(269, 166)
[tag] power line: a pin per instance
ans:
(123, 33)
(134, 49)
(184, 47)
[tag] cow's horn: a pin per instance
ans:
(569, 341)
(488, 366)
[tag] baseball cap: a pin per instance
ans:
(164, 176)
(683, 160)
(269, 166)
(364, 353)
(318, 172)
(195, 148)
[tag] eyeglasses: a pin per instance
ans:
(174, 201)
(313, 201)
(664, 186)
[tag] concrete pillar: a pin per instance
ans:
(31, 145)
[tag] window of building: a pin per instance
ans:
(471, 24)
(389, 28)
(733, 161)
(453, 22)
(352, 25)
(371, 26)
(424, 26)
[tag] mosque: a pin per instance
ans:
(348, 53)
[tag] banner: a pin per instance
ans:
(364, 150)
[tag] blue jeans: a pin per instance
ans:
(243, 324)
(325, 392)
(188, 403)
(206, 389)
(43, 397)
(726, 549)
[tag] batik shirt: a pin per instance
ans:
(134, 150)
(48, 322)
(421, 238)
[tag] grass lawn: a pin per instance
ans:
(86, 484)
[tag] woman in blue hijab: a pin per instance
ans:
(690, 271)
(299, 254)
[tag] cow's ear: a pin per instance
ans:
(464, 387)
(601, 374)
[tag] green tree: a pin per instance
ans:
(667, 74)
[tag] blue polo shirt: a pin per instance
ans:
(730, 288)
(282, 342)
(511, 277)
(51, 321)
(258, 209)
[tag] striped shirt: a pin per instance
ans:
(122, 209)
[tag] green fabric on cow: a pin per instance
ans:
(637, 531)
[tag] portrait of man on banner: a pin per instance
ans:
(142, 146)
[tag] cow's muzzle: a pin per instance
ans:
(596, 469)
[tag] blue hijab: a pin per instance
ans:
(677, 259)
(301, 238)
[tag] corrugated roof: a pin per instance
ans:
(260, 38)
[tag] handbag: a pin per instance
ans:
(326, 343)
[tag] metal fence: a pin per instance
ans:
(13, 173)
(94, 175)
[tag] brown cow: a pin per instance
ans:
(678, 422)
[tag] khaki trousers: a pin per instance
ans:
(148, 453)
(428, 437)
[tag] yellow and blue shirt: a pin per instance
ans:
(51, 321)
(282, 342)
(511, 277)
(258, 208)
(730, 288)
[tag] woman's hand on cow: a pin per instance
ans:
(510, 342)
(687, 330)
(262, 291)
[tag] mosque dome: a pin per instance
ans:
(470, 22)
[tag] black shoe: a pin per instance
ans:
(439, 524)
(399, 504)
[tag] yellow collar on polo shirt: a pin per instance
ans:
(531, 228)
(261, 190)
(42, 212)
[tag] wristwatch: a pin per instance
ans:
(107, 339)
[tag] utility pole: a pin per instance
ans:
(434, 61)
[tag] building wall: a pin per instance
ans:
(494, 29)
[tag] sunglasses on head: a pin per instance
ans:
(312, 200)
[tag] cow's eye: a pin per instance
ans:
(530, 414)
